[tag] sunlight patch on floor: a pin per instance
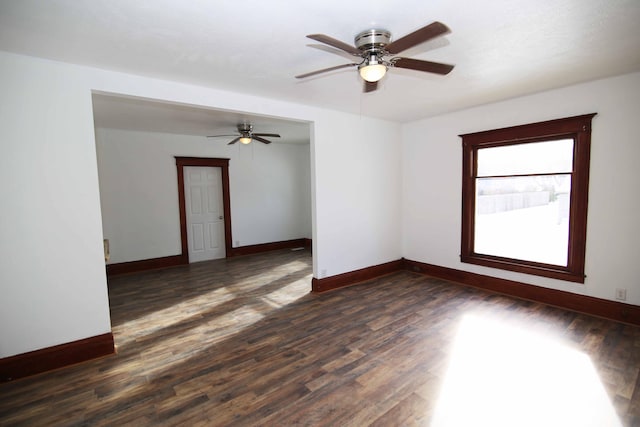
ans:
(157, 359)
(504, 375)
(197, 324)
(155, 321)
(253, 283)
(289, 293)
(294, 266)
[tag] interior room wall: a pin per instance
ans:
(270, 190)
(432, 173)
(52, 281)
(358, 177)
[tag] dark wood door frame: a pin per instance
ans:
(223, 164)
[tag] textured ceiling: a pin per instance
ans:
(501, 48)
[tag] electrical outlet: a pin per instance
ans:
(621, 294)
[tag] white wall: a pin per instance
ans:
(270, 191)
(431, 188)
(52, 279)
(358, 175)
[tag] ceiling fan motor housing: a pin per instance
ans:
(244, 128)
(372, 40)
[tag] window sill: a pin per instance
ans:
(533, 268)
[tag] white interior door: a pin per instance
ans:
(205, 212)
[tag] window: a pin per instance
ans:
(524, 197)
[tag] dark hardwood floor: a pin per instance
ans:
(242, 341)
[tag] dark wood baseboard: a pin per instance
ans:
(266, 247)
(613, 310)
(353, 277)
(174, 260)
(47, 359)
(145, 264)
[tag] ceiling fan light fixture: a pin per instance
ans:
(375, 44)
(373, 73)
(246, 135)
(371, 70)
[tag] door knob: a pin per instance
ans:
(220, 217)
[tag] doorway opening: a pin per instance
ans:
(143, 205)
(223, 165)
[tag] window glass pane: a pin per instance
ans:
(524, 218)
(531, 158)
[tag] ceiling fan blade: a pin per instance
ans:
(234, 141)
(369, 86)
(216, 136)
(324, 70)
(257, 138)
(332, 50)
(335, 43)
(419, 65)
(422, 35)
(274, 135)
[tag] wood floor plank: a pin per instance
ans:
(243, 342)
(403, 412)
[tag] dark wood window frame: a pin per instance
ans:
(223, 164)
(577, 128)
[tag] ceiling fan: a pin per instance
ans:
(374, 46)
(247, 135)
